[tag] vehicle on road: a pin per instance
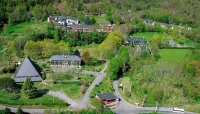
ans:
(178, 110)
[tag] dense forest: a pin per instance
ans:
(150, 77)
(131, 12)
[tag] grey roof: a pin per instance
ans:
(27, 69)
(65, 57)
(148, 21)
(131, 39)
(106, 96)
(168, 25)
(80, 26)
(105, 24)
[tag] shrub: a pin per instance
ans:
(96, 85)
(15, 97)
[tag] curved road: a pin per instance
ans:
(123, 108)
(84, 100)
(127, 108)
(82, 103)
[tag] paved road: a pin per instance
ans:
(127, 108)
(31, 111)
(84, 100)
(82, 103)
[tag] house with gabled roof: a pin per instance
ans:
(28, 69)
(107, 98)
(105, 27)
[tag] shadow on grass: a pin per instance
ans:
(41, 92)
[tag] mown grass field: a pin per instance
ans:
(100, 19)
(173, 54)
(23, 29)
(148, 35)
(192, 43)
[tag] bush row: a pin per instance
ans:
(31, 103)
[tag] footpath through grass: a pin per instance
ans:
(173, 54)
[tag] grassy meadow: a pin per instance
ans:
(148, 35)
(173, 54)
(100, 19)
(6, 97)
(23, 29)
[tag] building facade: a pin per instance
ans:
(65, 60)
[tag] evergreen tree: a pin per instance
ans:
(92, 21)
(19, 111)
(5, 28)
(56, 36)
(87, 21)
(7, 111)
(28, 90)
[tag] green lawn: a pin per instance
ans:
(148, 35)
(23, 29)
(173, 54)
(100, 19)
(192, 43)
(67, 83)
(6, 98)
(96, 68)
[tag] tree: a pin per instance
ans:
(7, 111)
(99, 105)
(109, 17)
(86, 58)
(76, 52)
(43, 75)
(19, 44)
(109, 47)
(87, 21)
(28, 90)
(158, 95)
(33, 49)
(92, 21)
(10, 19)
(5, 28)
(19, 111)
(6, 83)
(56, 36)
(47, 47)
